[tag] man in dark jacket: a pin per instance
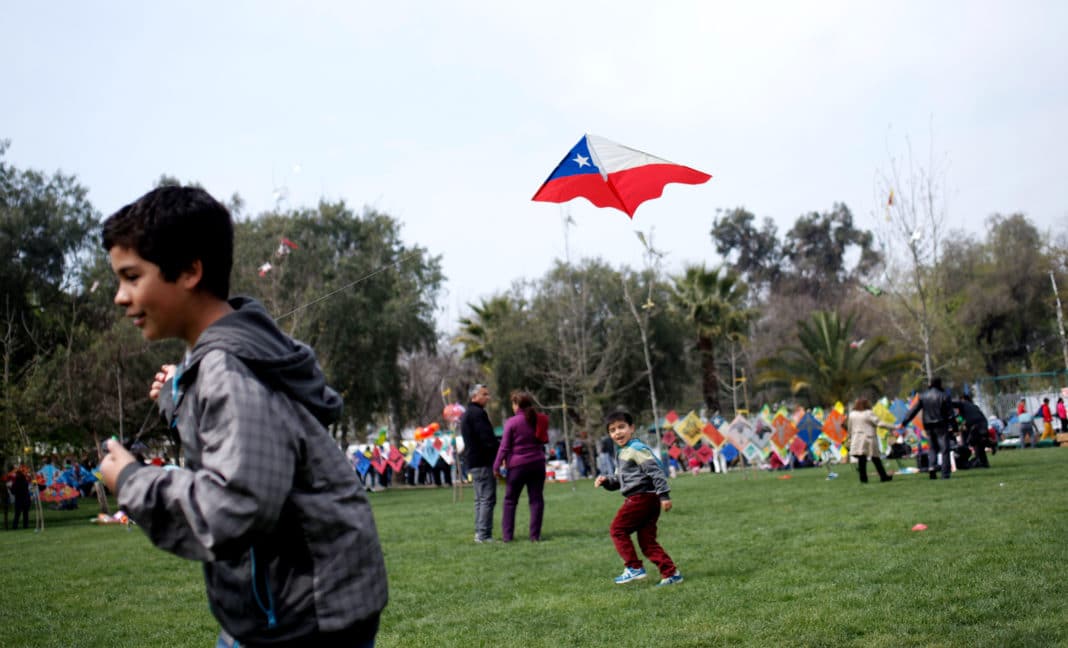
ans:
(480, 446)
(937, 423)
(20, 490)
(976, 431)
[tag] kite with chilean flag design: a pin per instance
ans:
(612, 175)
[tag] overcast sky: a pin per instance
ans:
(449, 115)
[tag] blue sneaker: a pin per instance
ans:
(674, 579)
(629, 575)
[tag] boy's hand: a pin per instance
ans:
(597, 482)
(165, 373)
(114, 461)
(665, 505)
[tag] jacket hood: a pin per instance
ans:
(278, 360)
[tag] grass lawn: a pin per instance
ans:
(804, 561)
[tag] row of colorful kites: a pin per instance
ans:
(770, 435)
(777, 435)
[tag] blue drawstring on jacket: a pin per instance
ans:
(176, 393)
(269, 609)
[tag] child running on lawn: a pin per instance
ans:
(643, 483)
(266, 499)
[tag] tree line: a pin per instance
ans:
(827, 311)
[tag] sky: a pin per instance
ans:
(449, 115)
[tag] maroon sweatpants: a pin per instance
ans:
(639, 513)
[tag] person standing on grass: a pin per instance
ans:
(20, 492)
(976, 429)
(863, 440)
(1026, 424)
(937, 423)
(266, 500)
(1047, 419)
(1062, 414)
(642, 481)
(5, 498)
(522, 452)
(480, 446)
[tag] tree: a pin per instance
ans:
(714, 304)
(827, 365)
(46, 226)
(817, 247)
(434, 379)
(756, 255)
(352, 290)
(997, 294)
(915, 216)
(479, 332)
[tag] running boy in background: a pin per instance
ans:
(266, 500)
(645, 487)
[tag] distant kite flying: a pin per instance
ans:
(612, 175)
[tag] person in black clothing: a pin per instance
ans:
(5, 498)
(480, 446)
(20, 490)
(938, 423)
(442, 473)
(976, 433)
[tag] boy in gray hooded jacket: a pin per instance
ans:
(266, 499)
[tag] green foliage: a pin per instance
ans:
(1000, 308)
(817, 247)
(752, 253)
(828, 365)
(481, 333)
(570, 337)
(46, 236)
(768, 562)
(713, 302)
(352, 289)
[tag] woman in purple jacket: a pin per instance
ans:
(522, 451)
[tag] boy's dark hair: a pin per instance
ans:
(174, 226)
(936, 382)
(619, 415)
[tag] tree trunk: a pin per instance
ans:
(709, 378)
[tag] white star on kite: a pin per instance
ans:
(581, 161)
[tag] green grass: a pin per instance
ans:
(767, 561)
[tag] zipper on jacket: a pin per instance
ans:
(272, 621)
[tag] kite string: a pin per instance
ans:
(378, 270)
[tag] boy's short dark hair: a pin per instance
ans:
(174, 226)
(619, 415)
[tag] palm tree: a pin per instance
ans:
(714, 302)
(478, 332)
(827, 366)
